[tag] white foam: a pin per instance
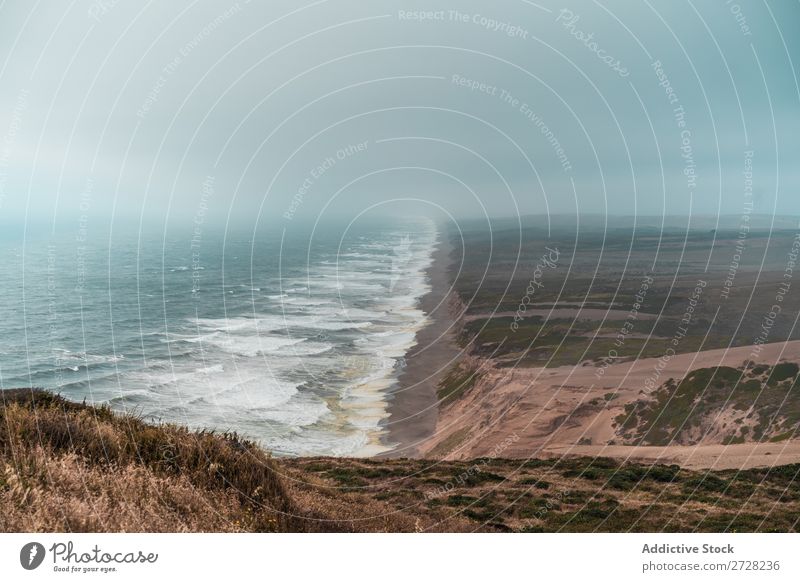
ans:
(251, 346)
(310, 370)
(303, 409)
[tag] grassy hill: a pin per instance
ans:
(728, 405)
(71, 467)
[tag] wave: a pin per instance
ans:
(305, 364)
(214, 369)
(262, 324)
(87, 358)
(251, 346)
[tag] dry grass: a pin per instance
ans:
(70, 467)
(571, 494)
(67, 494)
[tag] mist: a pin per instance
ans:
(277, 114)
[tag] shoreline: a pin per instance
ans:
(413, 404)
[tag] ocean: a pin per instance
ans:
(292, 338)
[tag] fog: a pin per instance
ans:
(279, 113)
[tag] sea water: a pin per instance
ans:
(294, 338)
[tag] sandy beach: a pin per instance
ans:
(413, 407)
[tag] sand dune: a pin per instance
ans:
(569, 410)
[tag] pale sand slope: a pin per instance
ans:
(546, 412)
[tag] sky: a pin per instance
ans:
(278, 113)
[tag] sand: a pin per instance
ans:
(413, 408)
(719, 457)
(536, 412)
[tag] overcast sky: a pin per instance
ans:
(286, 111)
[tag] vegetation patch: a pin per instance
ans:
(757, 403)
(459, 379)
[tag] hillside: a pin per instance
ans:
(70, 467)
(722, 404)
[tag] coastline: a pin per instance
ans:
(413, 404)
